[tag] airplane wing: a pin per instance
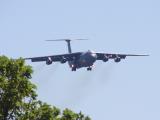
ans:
(101, 56)
(55, 58)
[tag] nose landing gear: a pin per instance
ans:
(73, 68)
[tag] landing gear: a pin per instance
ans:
(89, 69)
(73, 68)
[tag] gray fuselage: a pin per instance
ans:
(86, 59)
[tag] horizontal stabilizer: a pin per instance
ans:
(66, 39)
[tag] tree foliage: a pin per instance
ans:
(18, 98)
(15, 87)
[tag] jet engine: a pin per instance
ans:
(105, 59)
(63, 60)
(117, 59)
(49, 61)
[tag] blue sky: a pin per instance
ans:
(128, 90)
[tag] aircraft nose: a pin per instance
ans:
(93, 57)
(94, 54)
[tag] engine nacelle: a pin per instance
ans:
(105, 59)
(49, 61)
(63, 60)
(117, 59)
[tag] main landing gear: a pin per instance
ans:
(89, 68)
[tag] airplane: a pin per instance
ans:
(78, 60)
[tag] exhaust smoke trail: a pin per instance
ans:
(43, 73)
(105, 73)
(43, 80)
(79, 85)
(84, 85)
(38, 68)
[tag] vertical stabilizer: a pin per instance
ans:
(68, 43)
(69, 46)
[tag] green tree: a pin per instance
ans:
(18, 99)
(43, 111)
(15, 87)
(70, 115)
(40, 111)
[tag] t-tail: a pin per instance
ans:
(68, 43)
(69, 46)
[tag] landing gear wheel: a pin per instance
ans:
(89, 69)
(74, 69)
